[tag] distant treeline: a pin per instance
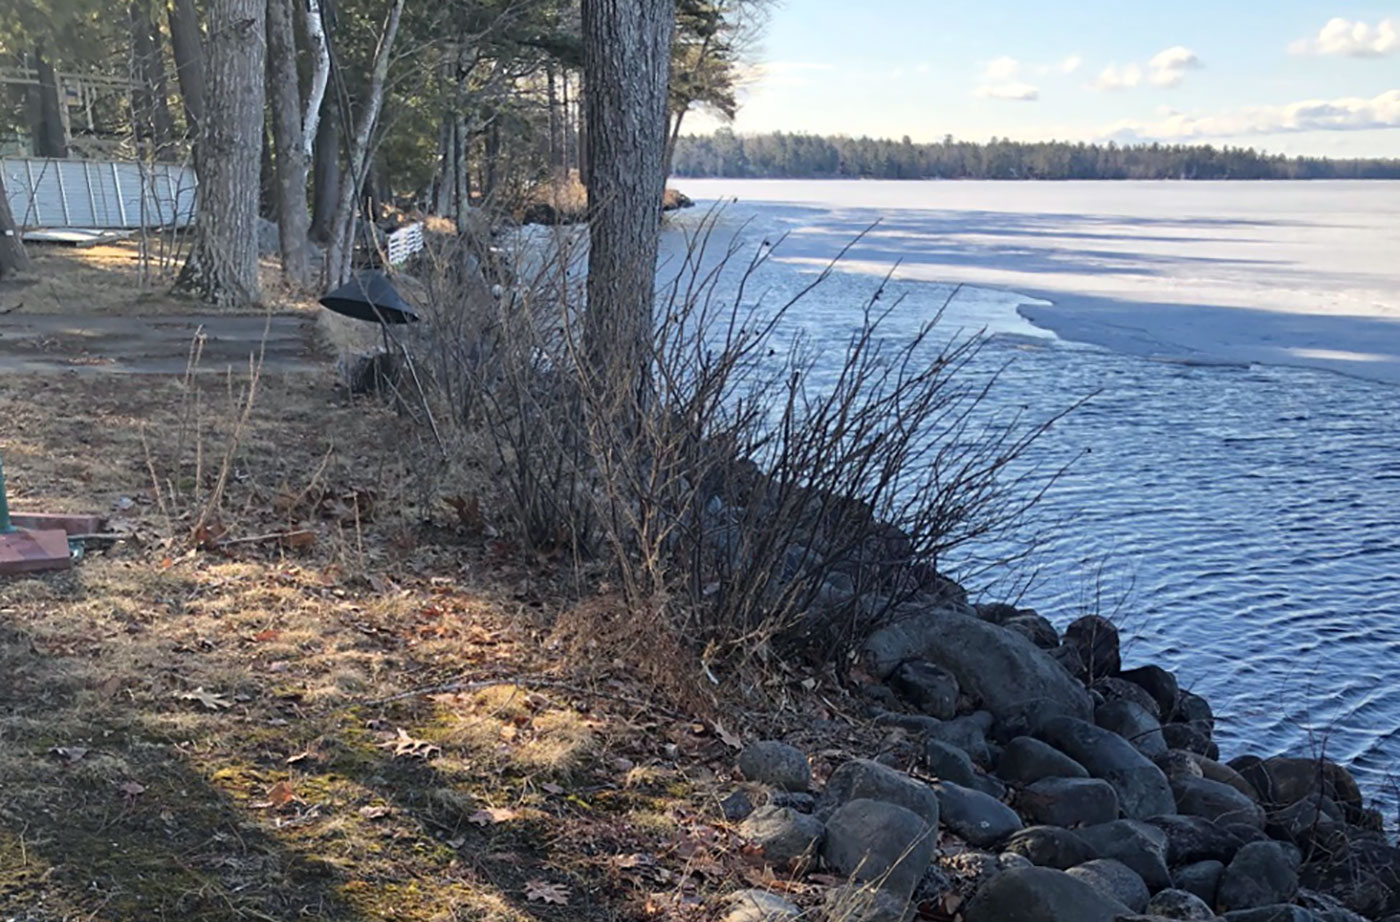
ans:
(802, 156)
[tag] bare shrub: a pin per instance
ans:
(738, 499)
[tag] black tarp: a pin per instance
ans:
(372, 297)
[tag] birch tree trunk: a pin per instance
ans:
(338, 254)
(222, 267)
(187, 45)
(12, 256)
(320, 72)
(627, 56)
(293, 222)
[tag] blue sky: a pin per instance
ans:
(1296, 76)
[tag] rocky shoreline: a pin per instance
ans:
(1042, 780)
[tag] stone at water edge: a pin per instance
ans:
(1159, 684)
(1026, 760)
(1134, 723)
(862, 779)
(973, 816)
(1096, 639)
(1050, 847)
(1141, 846)
(775, 764)
(1003, 671)
(1113, 688)
(1142, 789)
(1181, 905)
(1282, 780)
(931, 689)
(783, 835)
(875, 841)
(1219, 771)
(1113, 879)
(1259, 875)
(1192, 737)
(1069, 801)
(1040, 895)
(1216, 801)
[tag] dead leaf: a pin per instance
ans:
(69, 753)
(281, 794)
(132, 788)
(552, 788)
(271, 633)
(407, 747)
(730, 740)
(545, 892)
(375, 811)
(211, 700)
(299, 757)
(490, 816)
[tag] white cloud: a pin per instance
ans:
(1113, 77)
(1346, 114)
(772, 74)
(1169, 66)
(999, 81)
(1352, 38)
(1071, 64)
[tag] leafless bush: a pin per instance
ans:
(747, 501)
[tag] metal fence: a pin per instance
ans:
(98, 193)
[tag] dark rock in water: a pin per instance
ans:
(1216, 801)
(1143, 790)
(949, 763)
(1025, 760)
(1114, 880)
(775, 764)
(1180, 904)
(861, 779)
(1141, 846)
(1201, 878)
(1217, 771)
(1007, 674)
(1036, 629)
(783, 835)
(1281, 912)
(1259, 875)
(997, 612)
(975, 817)
(1134, 723)
(1195, 838)
(736, 806)
(1178, 763)
(927, 687)
(1114, 689)
(1282, 781)
(1191, 737)
(1050, 846)
(1069, 801)
(1193, 708)
(871, 840)
(1040, 895)
(1096, 639)
(1160, 684)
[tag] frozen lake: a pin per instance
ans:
(1234, 500)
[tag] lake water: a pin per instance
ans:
(1240, 519)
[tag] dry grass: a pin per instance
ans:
(108, 280)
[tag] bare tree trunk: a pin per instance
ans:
(556, 128)
(320, 52)
(148, 70)
(293, 222)
(187, 45)
(341, 248)
(461, 172)
(325, 181)
(12, 256)
(672, 139)
(627, 55)
(50, 139)
(222, 267)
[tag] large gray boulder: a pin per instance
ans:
(862, 779)
(979, 819)
(783, 835)
(1179, 904)
(1040, 895)
(1025, 760)
(873, 841)
(999, 668)
(1261, 874)
(1216, 801)
(1134, 723)
(1069, 801)
(1143, 790)
(1139, 845)
(1114, 879)
(1050, 847)
(776, 765)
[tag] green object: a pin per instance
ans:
(5, 527)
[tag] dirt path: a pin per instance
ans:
(93, 344)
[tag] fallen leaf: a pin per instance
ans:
(490, 816)
(299, 757)
(69, 753)
(552, 788)
(375, 811)
(281, 794)
(210, 700)
(131, 788)
(730, 740)
(408, 747)
(271, 633)
(545, 892)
